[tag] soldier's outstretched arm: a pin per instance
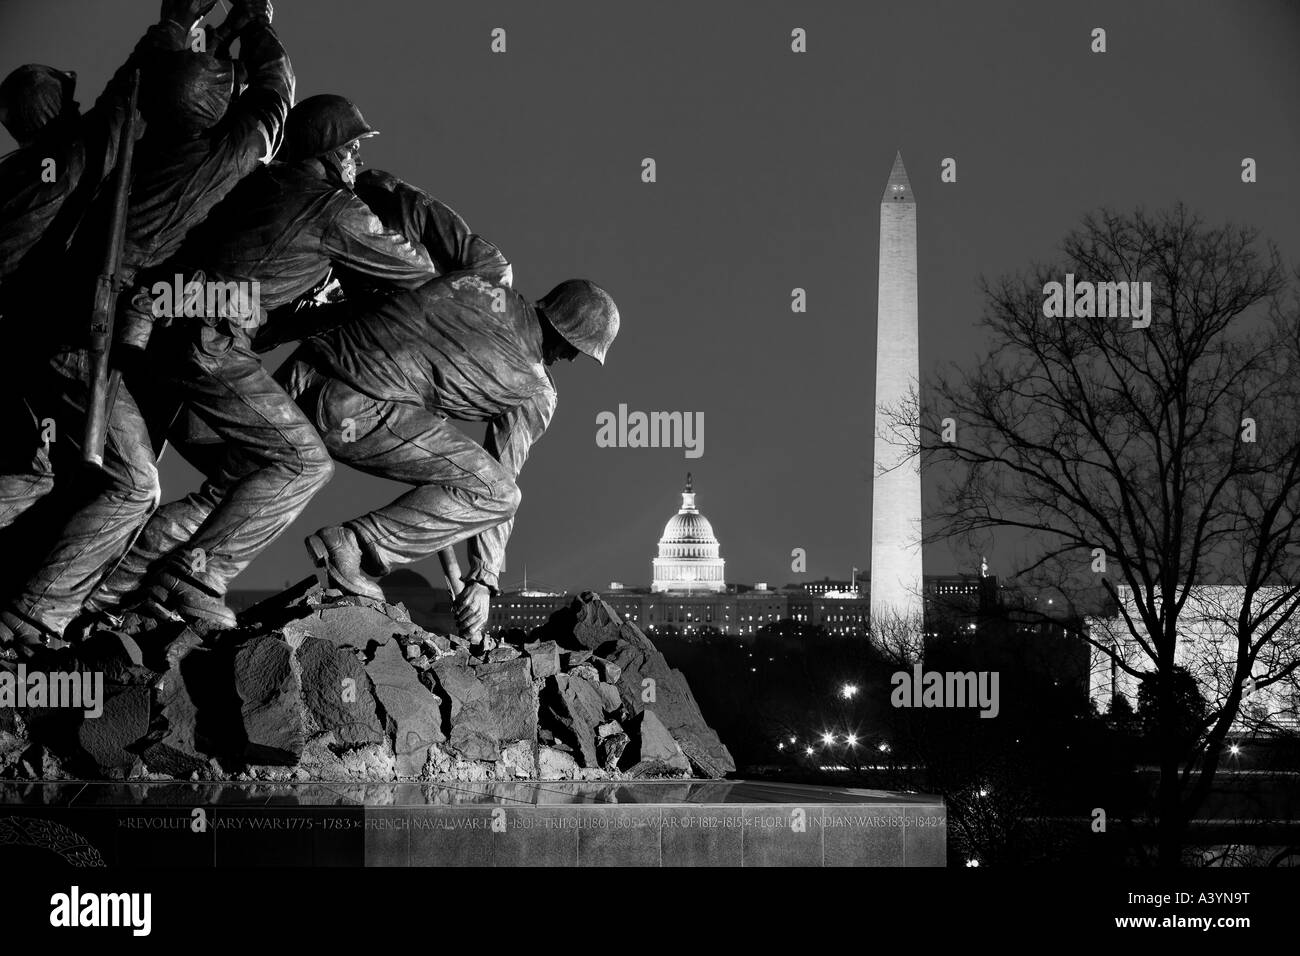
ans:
(424, 219)
(255, 123)
(355, 239)
(103, 122)
(509, 439)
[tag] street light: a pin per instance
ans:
(828, 738)
(848, 690)
(851, 740)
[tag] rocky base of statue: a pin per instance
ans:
(316, 686)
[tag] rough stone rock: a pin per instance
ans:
(124, 722)
(457, 683)
(593, 624)
(587, 673)
(672, 701)
(324, 759)
(12, 749)
(518, 761)
(656, 744)
(594, 621)
(336, 691)
(11, 721)
(511, 697)
(410, 712)
(707, 754)
(554, 764)
(118, 657)
(179, 647)
(610, 698)
(474, 733)
(445, 764)
(545, 656)
(355, 623)
(611, 749)
(575, 707)
(271, 701)
(571, 659)
(176, 752)
(503, 653)
(437, 645)
(609, 671)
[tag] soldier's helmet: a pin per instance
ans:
(31, 96)
(584, 314)
(187, 92)
(323, 123)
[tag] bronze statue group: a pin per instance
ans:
(195, 173)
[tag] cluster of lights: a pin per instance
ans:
(829, 739)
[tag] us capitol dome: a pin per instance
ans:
(688, 552)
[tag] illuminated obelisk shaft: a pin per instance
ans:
(896, 573)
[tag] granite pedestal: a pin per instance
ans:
(525, 823)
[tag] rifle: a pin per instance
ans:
(103, 381)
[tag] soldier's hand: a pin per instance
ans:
(472, 607)
(186, 12)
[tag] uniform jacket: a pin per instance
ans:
(37, 218)
(460, 345)
(284, 227)
(435, 225)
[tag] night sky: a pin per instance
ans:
(771, 167)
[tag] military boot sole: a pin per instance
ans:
(21, 641)
(320, 555)
(171, 599)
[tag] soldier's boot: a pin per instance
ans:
(336, 550)
(192, 602)
(91, 619)
(22, 638)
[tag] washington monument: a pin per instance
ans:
(896, 495)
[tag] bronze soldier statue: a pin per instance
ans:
(203, 136)
(401, 207)
(380, 387)
(282, 230)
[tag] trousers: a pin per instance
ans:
(458, 490)
(263, 461)
(102, 512)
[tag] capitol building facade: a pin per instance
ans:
(689, 593)
(689, 560)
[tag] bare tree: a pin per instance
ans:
(1167, 455)
(898, 637)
